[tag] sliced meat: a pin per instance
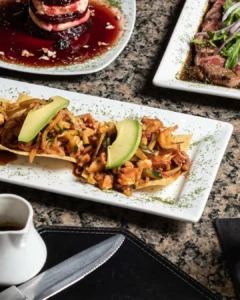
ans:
(204, 51)
(211, 25)
(52, 10)
(216, 10)
(213, 18)
(67, 34)
(237, 69)
(58, 27)
(211, 59)
(58, 18)
(221, 76)
(207, 54)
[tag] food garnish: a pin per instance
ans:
(126, 144)
(123, 156)
(36, 120)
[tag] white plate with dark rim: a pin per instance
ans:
(177, 52)
(128, 8)
(184, 200)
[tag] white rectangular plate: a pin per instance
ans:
(177, 52)
(128, 8)
(183, 200)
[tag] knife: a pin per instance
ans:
(63, 275)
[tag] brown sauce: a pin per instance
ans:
(187, 73)
(14, 39)
(6, 157)
(10, 226)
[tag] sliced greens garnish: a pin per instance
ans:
(213, 37)
(196, 41)
(232, 54)
(227, 5)
(234, 16)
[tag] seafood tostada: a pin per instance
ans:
(123, 156)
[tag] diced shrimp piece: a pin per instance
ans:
(106, 183)
(180, 159)
(152, 125)
(102, 158)
(128, 164)
(145, 164)
(127, 191)
(96, 166)
(129, 176)
(83, 160)
(91, 179)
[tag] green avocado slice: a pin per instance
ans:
(36, 120)
(129, 134)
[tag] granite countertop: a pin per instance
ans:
(192, 247)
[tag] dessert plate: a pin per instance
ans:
(177, 53)
(128, 9)
(185, 199)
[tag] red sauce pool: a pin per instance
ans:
(14, 39)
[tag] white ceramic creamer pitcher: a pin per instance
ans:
(22, 252)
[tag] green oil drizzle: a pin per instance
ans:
(114, 3)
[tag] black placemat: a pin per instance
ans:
(228, 231)
(134, 272)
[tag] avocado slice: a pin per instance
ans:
(36, 120)
(129, 134)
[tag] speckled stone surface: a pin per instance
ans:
(192, 247)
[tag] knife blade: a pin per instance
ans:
(63, 275)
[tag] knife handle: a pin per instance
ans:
(12, 293)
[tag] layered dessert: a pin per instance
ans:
(51, 33)
(58, 19)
